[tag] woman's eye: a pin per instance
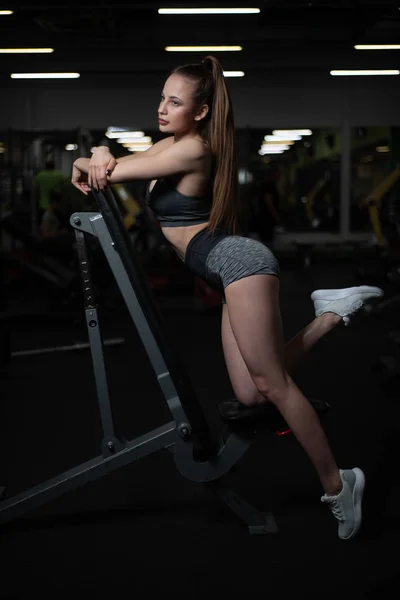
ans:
(175, 103)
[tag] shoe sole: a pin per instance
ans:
(373, 291)
(358, 493)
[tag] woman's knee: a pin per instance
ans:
(250, 398)
(274, 390)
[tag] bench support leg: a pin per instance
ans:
(257, 522)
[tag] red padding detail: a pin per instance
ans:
(283, 432)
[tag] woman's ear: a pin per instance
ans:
(201, 113)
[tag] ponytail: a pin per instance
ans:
(222, 140)
(219, 133)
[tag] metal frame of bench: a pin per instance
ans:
(200, 455)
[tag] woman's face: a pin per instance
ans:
(177, 112)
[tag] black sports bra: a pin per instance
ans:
(173, 209)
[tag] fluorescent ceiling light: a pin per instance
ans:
(292, 132)
(116, 132)
(275, 146)
(382, 149)
(233, 73)
(44, 75)
(203, 48)
(282, 138)
(264, 151)
(145, 139)
(366, 72)
(207, 11)
(6, 12)
(26, 50)
(139, 148)
(134, 138)
(275, 140)
(377, 46)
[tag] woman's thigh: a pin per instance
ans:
(255, 320)
(243, 385)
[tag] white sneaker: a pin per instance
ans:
(345, 301)
(346, 506)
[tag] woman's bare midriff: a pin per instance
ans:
(179, 237)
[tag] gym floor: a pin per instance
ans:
(145, 530)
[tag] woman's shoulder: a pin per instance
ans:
(194, 148)
(163, 144)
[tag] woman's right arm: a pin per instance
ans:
(103, 162)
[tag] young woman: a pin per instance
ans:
(194, 195)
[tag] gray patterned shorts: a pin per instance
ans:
(221, 259)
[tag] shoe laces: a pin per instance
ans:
(336, 508)
(357, 305)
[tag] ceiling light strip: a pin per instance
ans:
(208, 11)
(350, 72)
(44, 75)
(233, 73)
(117, 132)
(377, 46)
(289, 132)
(26, 50)
(203, 48)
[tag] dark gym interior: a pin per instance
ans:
(102, 488)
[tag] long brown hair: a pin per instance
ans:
(218, 131)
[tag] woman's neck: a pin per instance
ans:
(189, 135)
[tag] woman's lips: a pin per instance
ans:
(162, 122)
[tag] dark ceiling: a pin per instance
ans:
(106, 37)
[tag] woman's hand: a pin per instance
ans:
(80, 180)
(101, 164)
